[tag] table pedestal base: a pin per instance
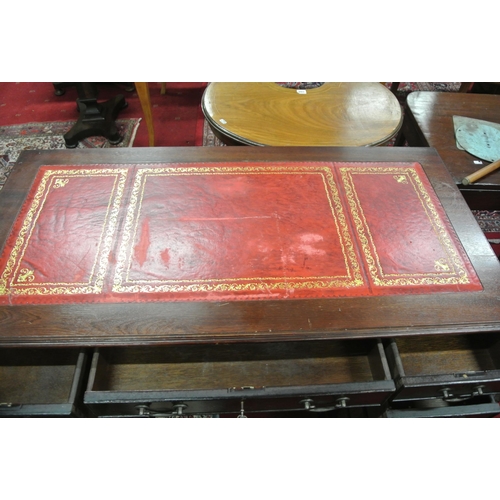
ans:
(96, 119)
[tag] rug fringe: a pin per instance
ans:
(134, 132)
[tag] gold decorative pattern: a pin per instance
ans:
(18, 281)
(351, 208)
(59, 183)
(122, 283)
(449, 270)
(25, 275)
(441, 265)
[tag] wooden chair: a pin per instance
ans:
(145, 100)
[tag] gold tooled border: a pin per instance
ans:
(121, 284)
(455, 271)
(56, 179)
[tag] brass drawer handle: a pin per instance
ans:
(179, 409)
(146, 411)
(448, 397)
(342, 402)
(310, 406)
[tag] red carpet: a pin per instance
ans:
(177, 115)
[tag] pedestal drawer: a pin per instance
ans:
(193, 379)
(453, 369)
(41, 382)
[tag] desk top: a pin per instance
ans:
(253, 320)
(334, 114)
(433, 113)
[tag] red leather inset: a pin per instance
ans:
(230, 231)
(241, 231)
(61, 243)
(405, 237)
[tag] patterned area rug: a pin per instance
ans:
(489, 222)
(405, 88)
(209, 138)
(49, 135)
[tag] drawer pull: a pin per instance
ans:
(146, 411)
(342, 402)
(448, 397)
(179, 409)
(310, 406)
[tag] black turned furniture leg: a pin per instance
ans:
(394, 87)
(95, 118)
(60, 87)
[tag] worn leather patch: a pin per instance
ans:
(231, 231)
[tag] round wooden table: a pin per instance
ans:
(334, 114)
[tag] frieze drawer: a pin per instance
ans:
(42, 382)
(454, 369)
(237, 378)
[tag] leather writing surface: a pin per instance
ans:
(60, 245)
(407, 242)
(230, 231)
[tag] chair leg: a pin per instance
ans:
(143, 93)
(394, 87)
(400, 138)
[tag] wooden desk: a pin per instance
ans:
(177, 322)
(429, 122)
(301, 355)
(335, 114)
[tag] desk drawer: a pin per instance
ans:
(193, 379)
(41, 382)
(488, 408)
(482, 197)
(453, 369)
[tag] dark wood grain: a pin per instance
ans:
(447, 369)
(234, 366)
(208, 322)
(429, 122)
(448, 354)
(216, 378)
(38, 377)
